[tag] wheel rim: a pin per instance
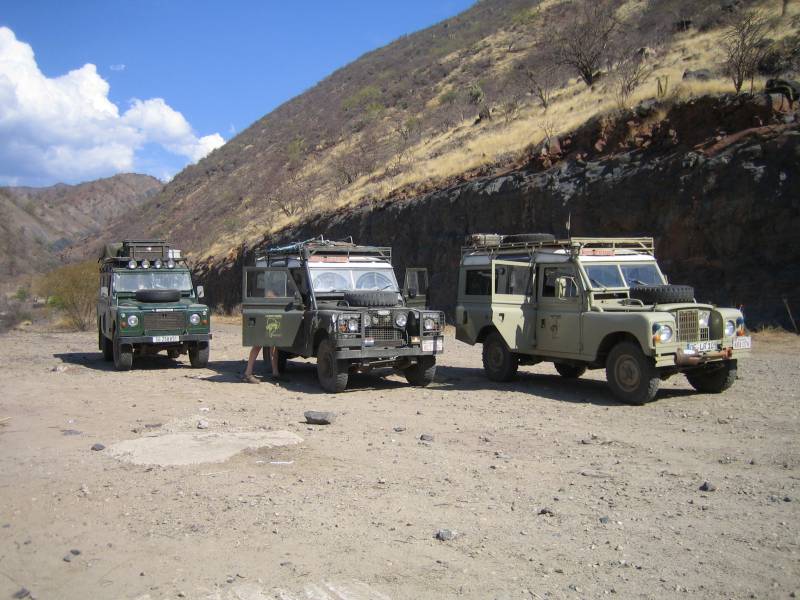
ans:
(627, 373)
(494, 356)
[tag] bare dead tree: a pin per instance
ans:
(585, 43)
(631, 70)
(784, 7)
(542, 83)
(745, 44)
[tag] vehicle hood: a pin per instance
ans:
(183, 304)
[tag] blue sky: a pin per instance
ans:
(216, 66)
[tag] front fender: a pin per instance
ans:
(598, 327)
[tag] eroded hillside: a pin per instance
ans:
(36, 224)
(460, 99)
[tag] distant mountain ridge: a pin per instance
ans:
(36, 224)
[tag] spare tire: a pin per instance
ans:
(662, 294)
(359, 298)
(158, 295)
(527, 238)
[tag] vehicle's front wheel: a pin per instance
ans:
(422, 372)
(198, 355)
(332, 377)
(631, 375)
(569, 371)
(107, 347)
(499, 363)
(122, 354)
(714, 378)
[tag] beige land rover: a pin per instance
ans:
(592, 303)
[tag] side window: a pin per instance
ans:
(417, 280)
(559, 282)
(514, 281)
(272, 284)
(478, 282)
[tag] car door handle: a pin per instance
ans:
(502, 316)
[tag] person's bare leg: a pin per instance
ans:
(273, 360)
(251, 363)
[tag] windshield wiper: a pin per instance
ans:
(638, 282)
(594, 282)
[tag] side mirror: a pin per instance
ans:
(201, 292)
(104, 292)
(411, 293)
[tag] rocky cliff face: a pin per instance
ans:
(715, 181)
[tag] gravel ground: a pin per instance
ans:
(540, 488)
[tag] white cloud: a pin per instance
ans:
(118, 67)
(66, 129)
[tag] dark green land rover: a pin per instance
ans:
(148, 303)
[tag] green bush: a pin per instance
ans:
(72, 289)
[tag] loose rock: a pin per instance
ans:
(547, 512)
(98, 447)
(22, 593)
(708, 487)
(202, 424)
(426, 437)
(605, 520)
(400, 429)
(315, 417)
(445, 535)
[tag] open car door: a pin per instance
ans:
(514, 303)
(272, 309)
(415, 289)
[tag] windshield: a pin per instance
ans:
(623, 275)
(342, 279)
(152, 280)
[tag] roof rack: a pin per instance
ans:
(319, 245)
(139, 250)
(582, 245)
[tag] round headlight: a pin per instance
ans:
(194, 319)
(170, 264)
(730, 328)
(703, 318)
(401, 320)
(158, 264)
(352, 325)
(664, 334)
(131, 264)
(145, 264)
(429, 324)
(133, 321)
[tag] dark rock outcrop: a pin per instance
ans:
(725, 215)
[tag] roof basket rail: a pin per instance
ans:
(321, 245)
(586, 245)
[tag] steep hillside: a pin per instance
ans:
(716, 181)
(36, 224)
(461, 98)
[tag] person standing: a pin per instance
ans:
(248, 376)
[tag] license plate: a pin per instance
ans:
(427, 345)
(742, 342)
(702, 346)
(162, 339)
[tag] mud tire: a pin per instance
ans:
(331, 373)
(382, 299)
(198, 356)
(107, 347)
(158, 295)
(528, 238)
(499, 363)
(568, 371)
(713, 379)
(662, 294)
(631, 376)
(123, 359)
(422, 372)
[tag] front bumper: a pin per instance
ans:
(149, 339)
(384, 352)
(683, 356)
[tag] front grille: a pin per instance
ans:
(689, 329)
(382, 321)
(384, 334)
(164, 320)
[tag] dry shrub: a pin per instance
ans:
(72, 289)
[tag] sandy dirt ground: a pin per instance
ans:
(551, 488)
